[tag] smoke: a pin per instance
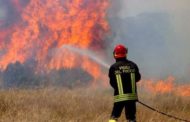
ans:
(9, 14)
(19, 75)
(157, 35)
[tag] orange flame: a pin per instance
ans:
(50, 24)
(165, 86)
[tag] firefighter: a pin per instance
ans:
(123, 77)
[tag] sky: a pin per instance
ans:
(157, 33)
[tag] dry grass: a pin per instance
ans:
(80, 105)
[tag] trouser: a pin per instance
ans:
(130, 110)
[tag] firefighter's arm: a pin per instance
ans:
(111, 77)
(137, 75)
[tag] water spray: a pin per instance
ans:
(87, 53)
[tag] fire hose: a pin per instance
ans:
(170, 116)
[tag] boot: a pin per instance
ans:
(112, 120)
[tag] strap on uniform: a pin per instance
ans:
(133, 82)
(124, 97)
(119, 83)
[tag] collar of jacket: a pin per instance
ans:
(120, 59)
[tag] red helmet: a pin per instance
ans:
(120, 51)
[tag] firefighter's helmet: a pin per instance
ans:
(120, 51)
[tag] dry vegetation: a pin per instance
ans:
(80, 105)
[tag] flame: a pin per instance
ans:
(44, 27)
(50, 24)
(165, 86)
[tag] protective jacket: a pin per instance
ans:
(123, 77)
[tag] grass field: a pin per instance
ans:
(81, 105)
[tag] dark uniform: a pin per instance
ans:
(123, 77)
